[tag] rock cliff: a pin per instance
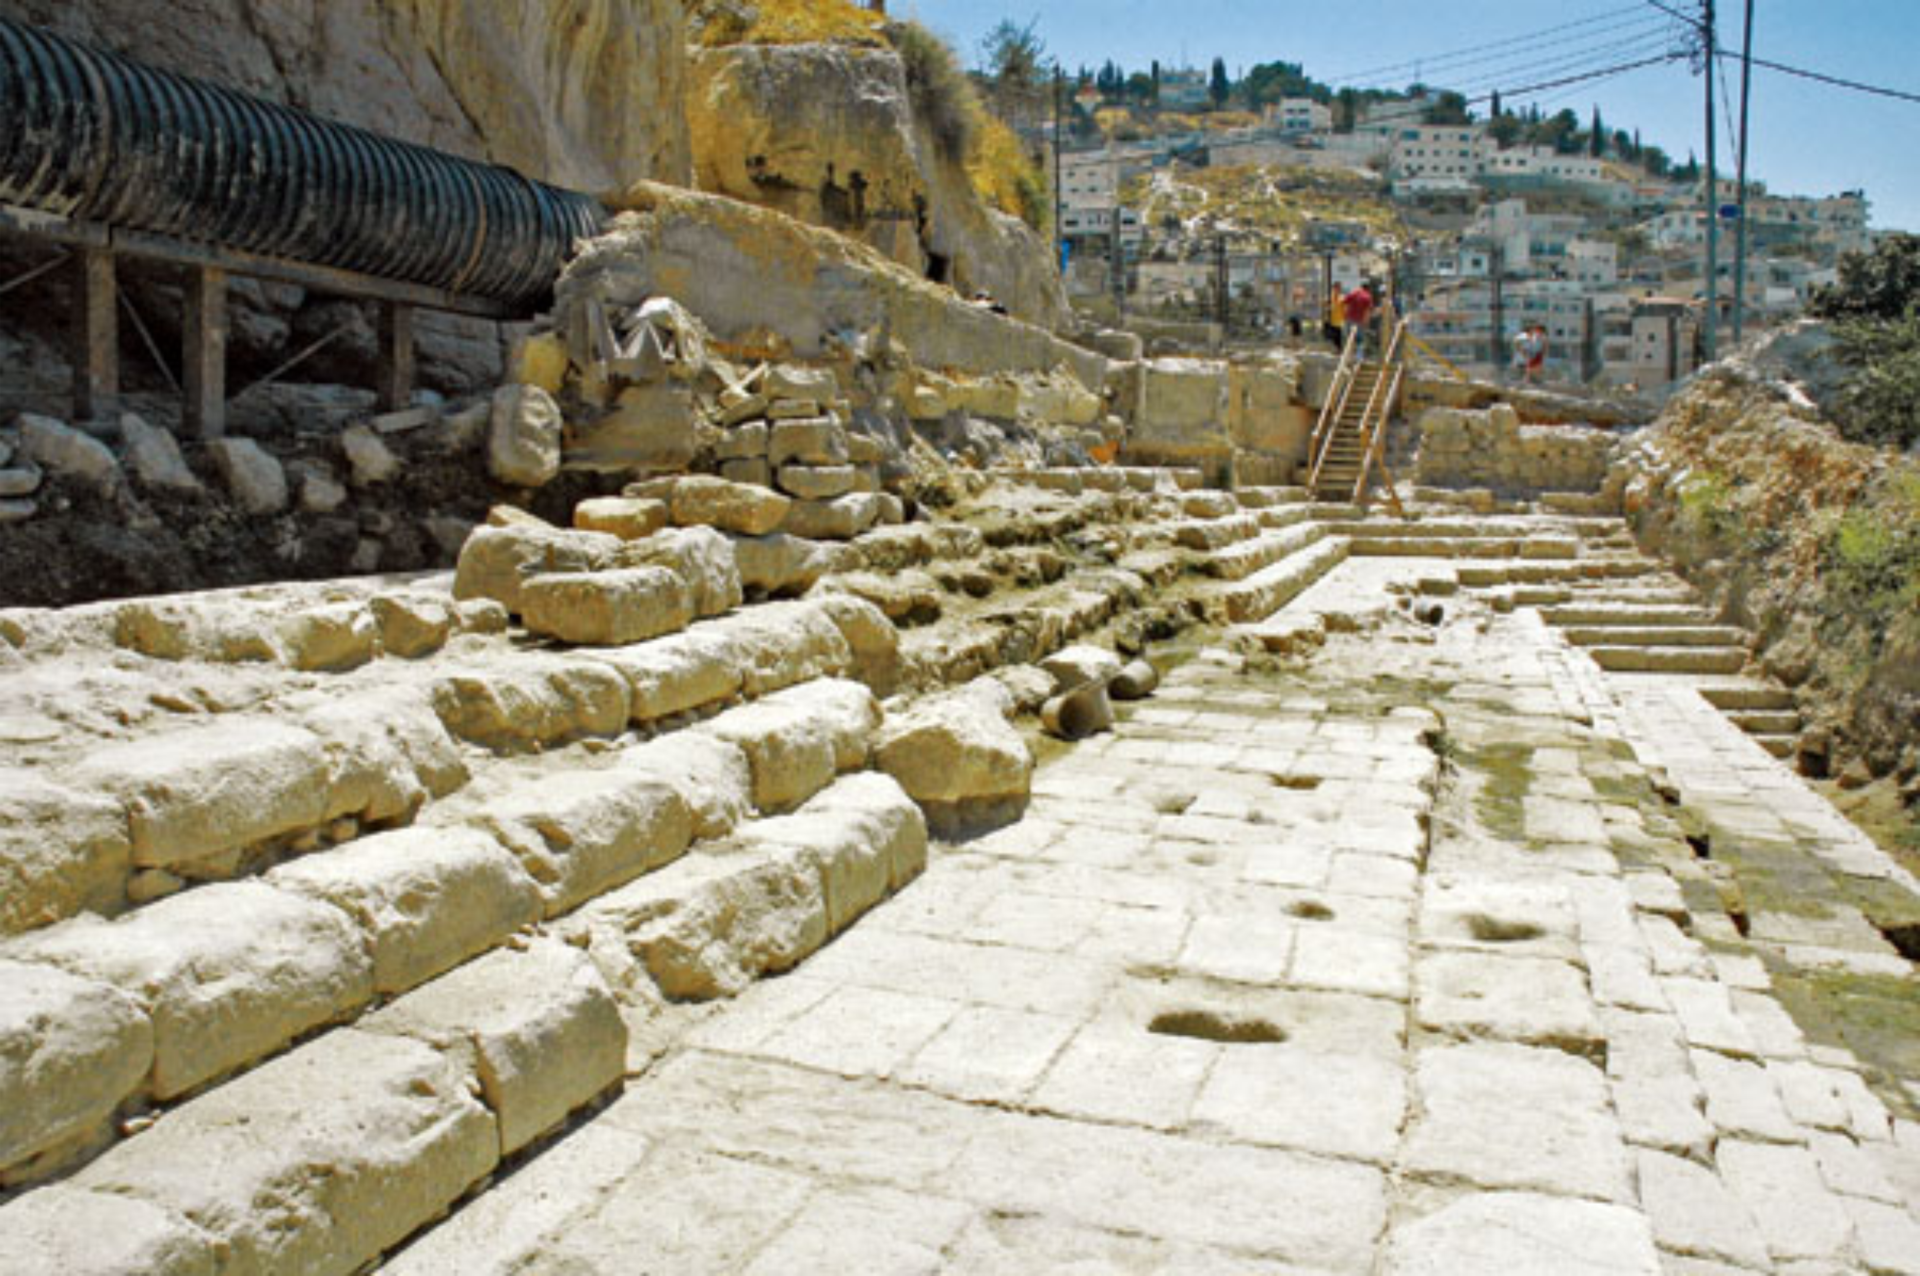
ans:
(581, 93)
(828, 134)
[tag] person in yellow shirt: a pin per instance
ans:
(1332, 328)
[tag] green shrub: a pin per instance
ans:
(943, 96)
(1872, 555)
(1883, 284)
(1880, 402)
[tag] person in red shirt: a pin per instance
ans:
(1358, 308)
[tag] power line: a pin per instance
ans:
(1822, 77)
(1503, 48)
(1692, 20)
(1482, 89)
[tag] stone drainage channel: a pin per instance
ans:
(1391, 958)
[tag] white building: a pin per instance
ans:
(1435, 157)
(1593, 262)
(1089, 179)
(1300, 115)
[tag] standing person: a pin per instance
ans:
(1330, 327)
(1358, 308)
(1536, 351)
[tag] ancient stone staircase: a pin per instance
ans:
(392, 887)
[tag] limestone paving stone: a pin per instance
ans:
(227, 973)
(1114, 1071)
(1512, 998)
(1333, 1104)
(988, 1054)
(1798, 1217)
(1524, 1232)
(1742, 1099)
(1508, 1116)
(69, 1229)
(1694, 1214)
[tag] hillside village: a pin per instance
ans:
(1474, 232)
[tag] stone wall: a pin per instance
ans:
(1492, 449)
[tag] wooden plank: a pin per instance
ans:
(95, 358)
(204, 338)
(395, 374)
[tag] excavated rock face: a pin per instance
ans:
(581, 93)
(827, 134)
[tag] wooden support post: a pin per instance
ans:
(204, 337)
(96, 335)
(396, 368)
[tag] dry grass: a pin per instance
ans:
(724, 22)
(1005, 176)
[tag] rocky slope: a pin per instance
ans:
(1809, 540)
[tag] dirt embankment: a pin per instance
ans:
(1814, 544)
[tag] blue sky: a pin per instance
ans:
(1807, 138)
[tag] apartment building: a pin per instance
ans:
(1431, 158)
(1300, 115)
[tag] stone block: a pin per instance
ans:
(154, 457)
(752, 471)
(629, 518)
(495, 561)
(791, 381)
(784, 643)
(816, 482)
(533, 703)
(712, 777)
(60, 449)
(958, 757)
(651, 429)
(746, 442)
(206, 790)
(743, 508)
(425, 899)
(254, 480)
(227, 973)
(539, 359)
(387, 752)
(356, 1139)
(700, 556)
(779, 564)
(812, 441)
(1184, 406)
(672, 675)
(792, 754)
(578, 834)
(862, 842)
(523, 436)
(840, 519)
(539, 1030)
(1524, 1232)
(70, 1229)
(62, 852)
(847, 710)
(411, 625)
(71, 1051)
(608, 608)
(332, 637)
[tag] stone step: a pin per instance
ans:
(1415, 543)
(1670, 659)
(333, 1154)
(1237, 562)
(1766, 721)
(1262, 498)
(1655, 635)
(1588, 614)
(200, 985)
(1746, 696)
(1485, 575)
(1273, 587)
(1214, 533)
(1277, 516)
(1780, 746)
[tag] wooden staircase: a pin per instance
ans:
(1349, 443)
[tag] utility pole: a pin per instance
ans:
(1117, 268)
(1059, 191)
(1711, 331)
(1496, 260)
(1223, 277)
(1740, 227)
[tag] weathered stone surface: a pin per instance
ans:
(703, 501)
(71, 1229)
(24, 481)
(411, 625)
(542, 1029)
(370, 459)
(816, 482)
(227, 973)
(387, 753)
(581, 833)
(71, 1050)
(651, 430)
(317, 491)
(867, 839)
(711, 776)
(1077, 666)
(791, 381)
(840, 519)
(606, 608)
(331, 637)
(254, 479)
(201, 791)
(1521, 1232)
(745, 442)
(786, 643)
(1693, 1212)
(1514, 998)
(1505, 1116)
(424, 899)
(533, 703)
(779, 563)
(809, 441)
(356, 1138)
(630, 518)
(495, 561)
(958, 757)
(701, 557)
(1799, 1217)
(752, 471)
(523, 436)
(62, 852)
(154, 457)
(60, 449)
(792, 752)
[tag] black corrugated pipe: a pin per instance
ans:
(97, 137)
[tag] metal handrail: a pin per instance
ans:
(1376, 437)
